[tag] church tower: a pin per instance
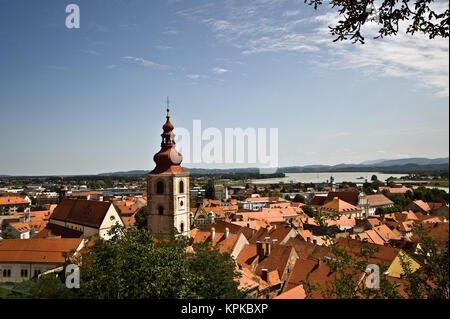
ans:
(168, 188)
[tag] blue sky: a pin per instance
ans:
(92, 100)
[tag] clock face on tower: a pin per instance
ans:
(181, 203)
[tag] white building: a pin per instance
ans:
(23, 259)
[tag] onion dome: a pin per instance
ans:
(168, 159)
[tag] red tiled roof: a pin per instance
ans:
(37, 250)
(83, 212)
(12, 200)
(378, 200)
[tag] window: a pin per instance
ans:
(6, 273)
(181, 187)
(181, 227)
(24, 273)
(161, 210)
(160, 188)
(37, 272)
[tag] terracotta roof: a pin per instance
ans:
(20, 227)
(422, 205)
(13, 200)
(53, 230)
(318, 200)
(295, 293)
(277, 260)
(349, 197)
(247, 256)
(83, 212)
(378, 200)
(298, 274)
(37, 250)
(339, 206)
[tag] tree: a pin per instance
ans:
(420, 17)
(374, 178)
(141, 218)
(136, 264)
(210, 191)
(431, 282)
(299, 199)
(308, 210)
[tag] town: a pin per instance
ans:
(281, 237)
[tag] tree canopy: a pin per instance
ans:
(420, 16)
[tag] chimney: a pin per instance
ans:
(227, 232)
(268, 248)
(213, 233)
(260, 250)
(264, 273)
(274, 241)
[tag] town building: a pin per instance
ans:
(81, 218)
(23, 259)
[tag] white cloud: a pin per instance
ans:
(164, 47)
(257, 28)
(91, 52)
(291, 13)
(218, 70)
(196, 76)
(143, 62)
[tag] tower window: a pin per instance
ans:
(161, 210)
(181, 187)
(181, 227)
(160, 188)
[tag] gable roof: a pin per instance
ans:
(80, 211)
(39, 250)
(295, 293)
(378, 200)
(53, 230)
(346, 196)
(340, 206)
(13, 200)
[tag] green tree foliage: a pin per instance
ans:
(308, 210)
(210, 191)
(141, 218)
(136, 264)
(432, 281)
(299, 199)
(431, 195)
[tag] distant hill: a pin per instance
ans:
(404, 161)
(406, 165)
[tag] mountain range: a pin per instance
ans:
(404, 165)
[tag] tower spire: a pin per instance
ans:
(168, 107)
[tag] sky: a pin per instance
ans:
(92, 100)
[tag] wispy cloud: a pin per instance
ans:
(218, 70)
(143, 62)
(91, 52)
(196, 76)
(291, 13)
(164, 47)
(257, 28)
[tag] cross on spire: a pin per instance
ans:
(168, 107)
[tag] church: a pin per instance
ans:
(168, 188)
